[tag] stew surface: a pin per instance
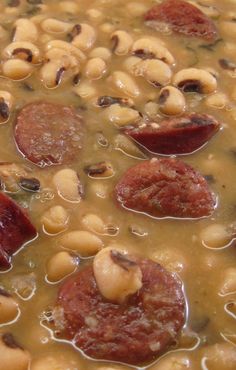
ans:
(84, 89)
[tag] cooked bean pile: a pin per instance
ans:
(117, 179)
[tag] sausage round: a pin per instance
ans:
(48, 134)
(15, 229)
(165, 188)
(133, 332)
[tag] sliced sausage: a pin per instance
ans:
(15, 230)
(133, 332)
(182, 17)
(48, 134)
(165, 188)
(179, 135)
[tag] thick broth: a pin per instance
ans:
(177, 244)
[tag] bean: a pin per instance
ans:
(126, 146)
(151, 109)
(54, 362)
(68, 185)
(100, 169)
(122, 42)
(124, 83)
(55, 26)
(228, 283)
(95, 68)
(25, 30)
(130, 62)
(16, 69)
(171, 101)
(83, 242)
(228, 29)
(116, 274)
(173, 361)
(150, 47)
(60, 265)
(172, 259)
(12, 355)
(101, 52)
(95, 15)
(51, 74)
(85, 37)
(93, 223)
(107, 27)
(121, 116)
(67, 47)
(9, 309)
(215, 236)
(217, 100)
(22, 50)
(195, 80)
(154, 71)
(99, 189)
(69, 7)
(55, 220)
(219, 356)
(85, 90)
(136, 9)
(6, 102)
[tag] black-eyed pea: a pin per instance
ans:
(68, 185)
(128, 147)
(25, 30)
(151, 109)
(172, 259)
(95, 15)
(228, 29)
(67, 47)
(99, 170)
(82, 242)
(83, 36)
(150, 47)
(54, 362)
(55, 26)
(130, 62)
(174, 361)
(99, 189)
(218, 356)
(136, 9)
(101, 52)
(60, 265)
(217, 100)
(107, 27)
(85, 90)
(228, 282)
(70, 7)
(93, 223)
(124, 83)
(16, 69)
(154, 71)
(6, 103)
(171, 101)
(95, 68)
(22, 50)
(121, 116)
(195, 80)
(12, 355)
(216, 236)
(9, 309)
(55, 220)
(122, 42)
(117, 275)
(51, 74)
